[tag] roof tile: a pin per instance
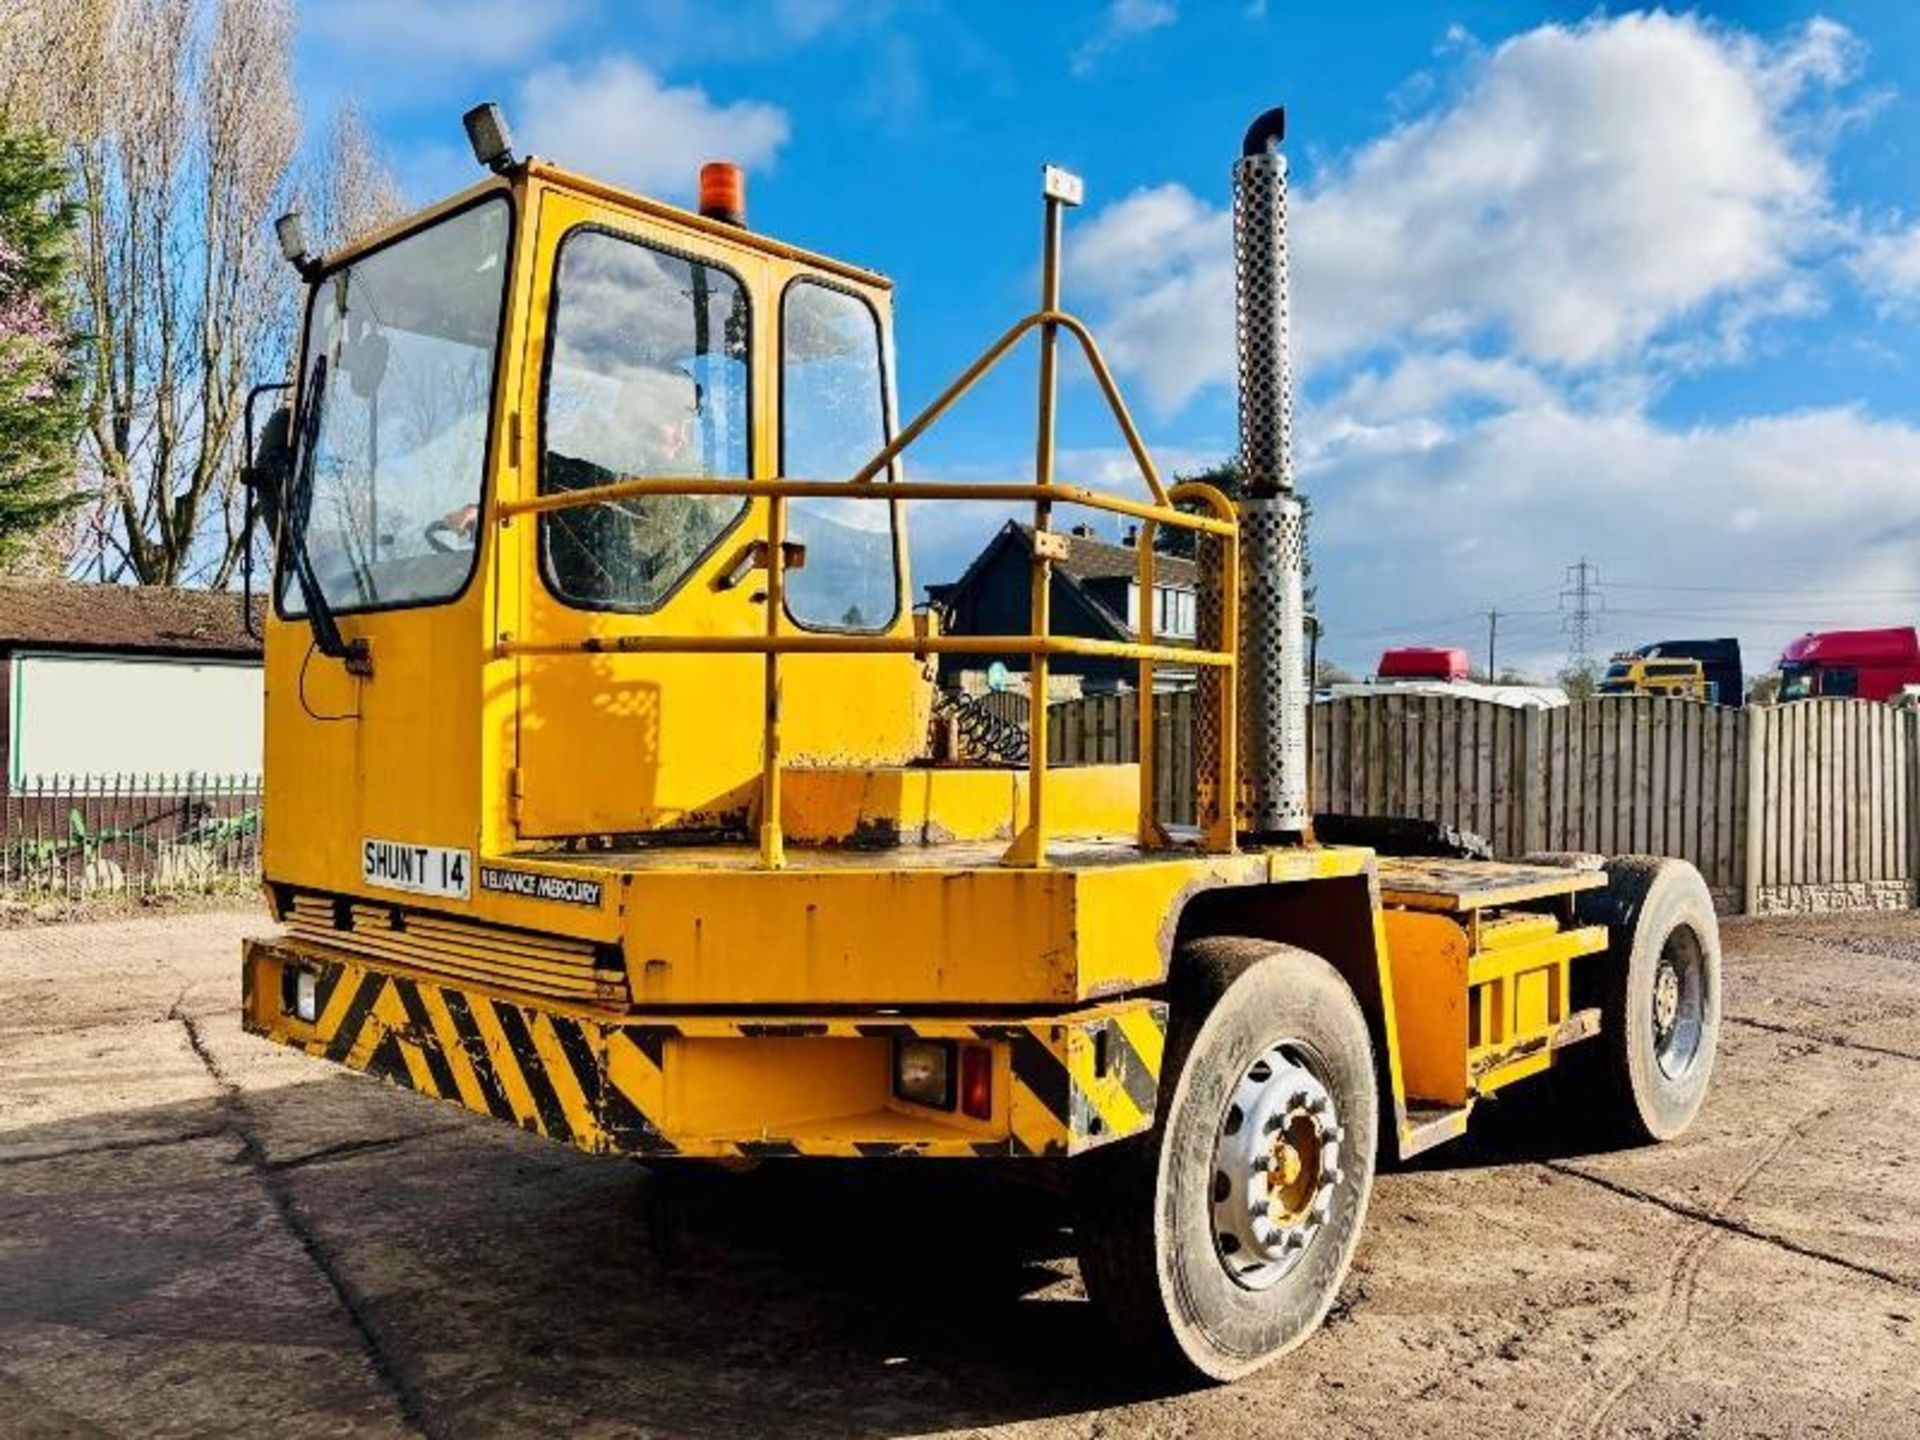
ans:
(149, 618)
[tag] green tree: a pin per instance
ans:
(41, 378)
(1579, 681)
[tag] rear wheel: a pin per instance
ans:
(1645, 1077)
(1219, 1241)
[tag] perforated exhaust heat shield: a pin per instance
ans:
(1273, 694)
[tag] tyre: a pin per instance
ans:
(1644, 1077)
(1219, 1240)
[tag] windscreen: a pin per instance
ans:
(400, 362)
(833, 407)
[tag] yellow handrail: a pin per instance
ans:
(638, 488)
(1029, 848)
(823, 643)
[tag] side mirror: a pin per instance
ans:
(268, 475)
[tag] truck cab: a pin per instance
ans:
(1633, 674)
(529, 338)
(1447, 664)
(1851, 664)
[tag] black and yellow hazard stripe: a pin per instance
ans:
(532, 1067)
(1072, 1082)
(1084, 1082)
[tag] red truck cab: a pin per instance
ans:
(1424, 662)
(1858, 664)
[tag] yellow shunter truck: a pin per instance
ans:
(599, 794)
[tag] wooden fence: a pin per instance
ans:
(1103, 729)
(1804, 806)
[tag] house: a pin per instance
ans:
(101, 681)
(1096, 595)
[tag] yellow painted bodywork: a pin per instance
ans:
(1481, 1002)
(934, 805)
(571, 745)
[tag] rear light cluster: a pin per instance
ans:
(944, 1075)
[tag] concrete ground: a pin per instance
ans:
(200, 1234)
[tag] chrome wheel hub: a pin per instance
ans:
(1679, 1004)
(1276, 1165)
(1666, 1000)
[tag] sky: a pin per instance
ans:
(1639, 287)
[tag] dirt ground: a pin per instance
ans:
(200, 1234)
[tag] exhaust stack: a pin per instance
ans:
(1273, 682)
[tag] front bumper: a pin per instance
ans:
(712, 1086)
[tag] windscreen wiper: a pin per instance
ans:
(327, 639)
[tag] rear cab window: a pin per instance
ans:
(834, 417)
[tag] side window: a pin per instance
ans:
(647, 377)
(833, 416)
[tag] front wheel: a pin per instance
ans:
(1219, 1240)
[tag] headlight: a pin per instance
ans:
(300, 994)
(923, 1072)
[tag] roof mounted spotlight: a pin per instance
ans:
(487, 133)
(291, 231)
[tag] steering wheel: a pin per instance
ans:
(445, 539)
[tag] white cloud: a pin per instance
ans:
(1425, 385)
(1123, 21)
(1492, 293)
(392, 34)
(1888, 264)
(1589, 187)
(1770, 527)
(615, 119)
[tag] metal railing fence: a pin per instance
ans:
(89, 835)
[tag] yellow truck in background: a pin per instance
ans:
(1630, 674)
(600, 802)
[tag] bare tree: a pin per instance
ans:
(48, 55)
(354, 191)
(181, 127)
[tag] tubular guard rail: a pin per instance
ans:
(1218, 521)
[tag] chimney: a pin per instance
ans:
(1082, 532)
(1132, 537)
